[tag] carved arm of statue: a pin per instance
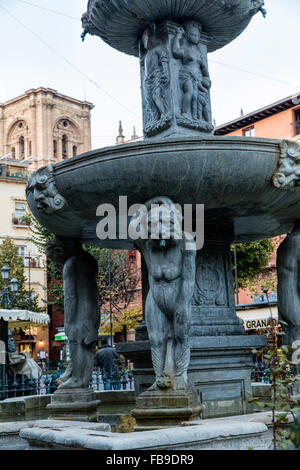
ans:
(178, 51)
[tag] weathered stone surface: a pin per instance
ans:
(175, 80)
(220, 369)
(115, 397)
(287, 175)
(121, 23)
(158, 409)
(171, 276)
(176, 167)
(74, 405)
(288, 255)
(9, 432)
(81, 308)
(20, 405)
(228, 435)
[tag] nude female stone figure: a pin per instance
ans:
(193, 74)
(171, 270)
(157, 76)
(81, 307)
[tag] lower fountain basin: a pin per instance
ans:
(231, 176)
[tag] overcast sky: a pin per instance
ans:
(268, 47)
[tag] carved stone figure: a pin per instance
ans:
(155, 63)
(45, 193)
(81, 307)
(287, 175)
(288, 271)
(171, 270)
(193, 75)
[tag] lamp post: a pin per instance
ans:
(8, 301)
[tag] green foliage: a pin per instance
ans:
(282, 378)
(252, 259)
(9, 256)
(40, 236)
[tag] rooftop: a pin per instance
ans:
(259, 114)
(49, 91)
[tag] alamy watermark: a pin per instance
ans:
(158, 219)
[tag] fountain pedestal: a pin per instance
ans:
(78, 404)
(163, 409)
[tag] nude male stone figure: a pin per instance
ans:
(81, 307)
(171, 270)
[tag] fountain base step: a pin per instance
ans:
(220, 370)
(74, 405)
(165, 409)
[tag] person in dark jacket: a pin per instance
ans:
(110, 364)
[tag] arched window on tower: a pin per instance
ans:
(64, 146)
(22, 147)
(55, 148)
(13, 152)
(30, 148)
(74, 150)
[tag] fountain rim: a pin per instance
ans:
(122, 23)
(133, 149)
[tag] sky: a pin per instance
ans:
(42, 48)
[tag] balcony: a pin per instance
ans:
(19, 220)
(13, 172)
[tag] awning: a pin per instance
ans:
(25, 315)
(256, 318)
(61, 336)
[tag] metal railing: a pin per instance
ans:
(121, 380)
(20, 386)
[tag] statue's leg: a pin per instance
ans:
(181, 346)
(187, 98)
(67, 374)
(158, 330)
(195, 104)
(82, 359)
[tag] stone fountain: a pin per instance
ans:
(191, 350)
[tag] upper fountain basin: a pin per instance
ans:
(250, 183)
(121, 23)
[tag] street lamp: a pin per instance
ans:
(5, 272)
(14, 287)
(7, 301)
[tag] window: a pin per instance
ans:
(54, 148)
(74, 150)
(20, 213)
(22, 253)
(13, 152)
(22, 146)
(297, 121)
(249, 132)
(64, 146)
(30, 148)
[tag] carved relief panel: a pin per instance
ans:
(175, 79)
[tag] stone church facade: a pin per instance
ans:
(40, 127)
(43, 126)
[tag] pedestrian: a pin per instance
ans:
(110, 364)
